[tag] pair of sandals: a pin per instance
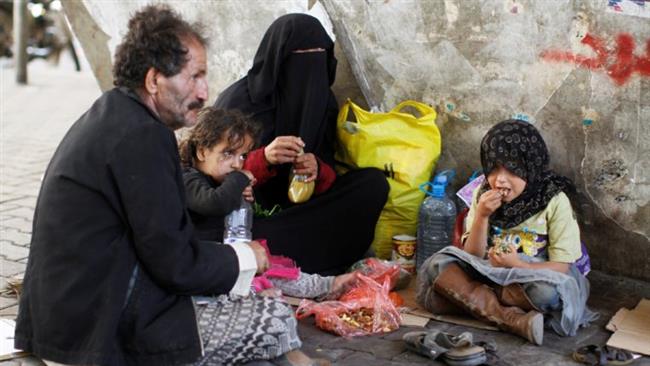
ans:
(595, 355)
(454, 350)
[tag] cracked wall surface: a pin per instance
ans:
(578, 70)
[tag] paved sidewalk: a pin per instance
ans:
(34, 118)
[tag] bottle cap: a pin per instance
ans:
(439, 186)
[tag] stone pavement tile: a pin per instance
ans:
(13, 252)
(25, 213)
(531, 355)
(25, 201)
(366, 358)
(375, 345)
(10, 268)
(6, 206)
(6, 302)
(18, 223)
(16, 237)
(330, 354)
(9, 312)
(12, 197)
(411, 358)
(10, 191)
(11, 181)
(24, 361)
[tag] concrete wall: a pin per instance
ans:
(578, 70)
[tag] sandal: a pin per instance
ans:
(455, 350)
(424, 343)
(595, 355)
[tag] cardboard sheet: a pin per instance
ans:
(632, 329)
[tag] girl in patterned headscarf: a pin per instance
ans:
(520, 221)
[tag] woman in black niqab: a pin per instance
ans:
(287, 90)
(291, 76)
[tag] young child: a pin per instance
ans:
(212, 156)
(522, 240)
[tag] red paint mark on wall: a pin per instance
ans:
(620, 63)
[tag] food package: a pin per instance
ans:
(378, 269)
(367, 310)
(299, 190)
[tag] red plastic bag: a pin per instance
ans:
(378, 270)
(371, 313)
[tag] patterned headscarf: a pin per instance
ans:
(517, 146)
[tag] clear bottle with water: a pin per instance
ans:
(238, 224)
(436, 220)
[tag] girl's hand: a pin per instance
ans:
(341, 284)
(508, 259)
(489, 202)
(248, 194)
(306, 164)
(250, 175)
(284, 149)
(248, 191)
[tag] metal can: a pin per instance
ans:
(404, 251)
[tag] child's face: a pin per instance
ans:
(508, 184)
(220, 159)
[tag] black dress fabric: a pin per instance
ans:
(289, 94)
(328, 233)
(518, 146)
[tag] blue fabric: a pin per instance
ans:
(543, 295)
(572, 288)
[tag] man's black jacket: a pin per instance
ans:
(113, 200)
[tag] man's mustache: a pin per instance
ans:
(195, 105)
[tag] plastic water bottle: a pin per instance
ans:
(435, 221)
(238, 224)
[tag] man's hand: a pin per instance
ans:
(284, 149)
(509, 259)
(489, 202)
(306, 164)
(261, 257)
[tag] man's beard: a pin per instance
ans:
(179, 120)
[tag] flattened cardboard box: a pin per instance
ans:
(631, 328)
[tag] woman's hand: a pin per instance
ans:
(509, 259)
(306, 164)
(489, 202)
(284, 149)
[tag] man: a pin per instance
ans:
(113, 264)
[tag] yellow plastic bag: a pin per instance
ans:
(405, 147)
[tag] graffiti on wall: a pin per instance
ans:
(620, 62)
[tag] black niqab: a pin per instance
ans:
(297, 85)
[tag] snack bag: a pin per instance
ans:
(378, 269)
(299, 190)
(370, 311)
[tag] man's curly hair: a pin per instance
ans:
(154, 39)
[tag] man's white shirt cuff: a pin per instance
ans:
(247, 269)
